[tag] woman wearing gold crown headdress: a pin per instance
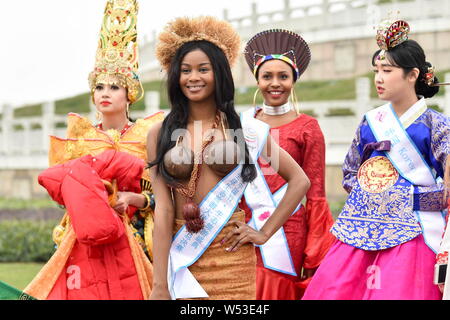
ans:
(391, 226)
(202, 155)
(277, 58)
(115, 87)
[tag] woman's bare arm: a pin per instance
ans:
(164, 221)
(298, 185)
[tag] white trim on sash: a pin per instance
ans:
(407, 159)
(279, 194)
(404, 154)
(275, 252)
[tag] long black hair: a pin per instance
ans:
(409, 55)
(178, 116)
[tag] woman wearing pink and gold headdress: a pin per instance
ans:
(391, 226)
(277, 58)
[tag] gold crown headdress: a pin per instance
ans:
(117, 53)
(184, 30)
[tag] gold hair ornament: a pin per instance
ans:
(430, 79)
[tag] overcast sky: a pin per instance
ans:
(48, 46)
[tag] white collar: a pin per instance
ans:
(277, 111)
(414, 112)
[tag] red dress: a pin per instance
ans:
(100, 265)
(307, 231)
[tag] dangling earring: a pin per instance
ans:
(128, 111)
(98, 116)
(254, 97)
(295, 101)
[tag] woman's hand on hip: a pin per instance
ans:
(242, 234)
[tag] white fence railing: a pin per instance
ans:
(27, 148)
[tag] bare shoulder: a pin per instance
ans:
(153, 132)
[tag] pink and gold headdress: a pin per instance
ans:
(117, 54)
(391, 33)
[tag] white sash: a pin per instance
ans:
(216, 209)
(408, 161)
(404, 155)
(275, 252)
(279, 194)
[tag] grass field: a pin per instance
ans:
(21, 204)
(19, 275)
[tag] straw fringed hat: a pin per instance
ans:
(184, 30)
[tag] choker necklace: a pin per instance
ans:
(277, 111)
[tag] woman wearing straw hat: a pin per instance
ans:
(202, 159)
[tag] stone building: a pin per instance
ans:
(340, 34)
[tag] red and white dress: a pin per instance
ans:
(307, 230)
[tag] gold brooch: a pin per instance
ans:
(377, 174)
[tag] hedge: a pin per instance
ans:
(26, 240)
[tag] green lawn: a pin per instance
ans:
(19, 275)
(336, 208)
(21, 204)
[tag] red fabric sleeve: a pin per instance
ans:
(77, 185)
(319, 238)
(318, 214)
(126, 169)
(86, 200)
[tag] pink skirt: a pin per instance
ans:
(404, 272)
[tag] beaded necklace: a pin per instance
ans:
(190, 208)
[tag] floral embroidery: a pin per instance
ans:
(376, 221)
(391, 221)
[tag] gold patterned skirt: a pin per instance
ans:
(226, 275)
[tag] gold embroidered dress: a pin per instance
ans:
(83, 138)
(116, 64)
